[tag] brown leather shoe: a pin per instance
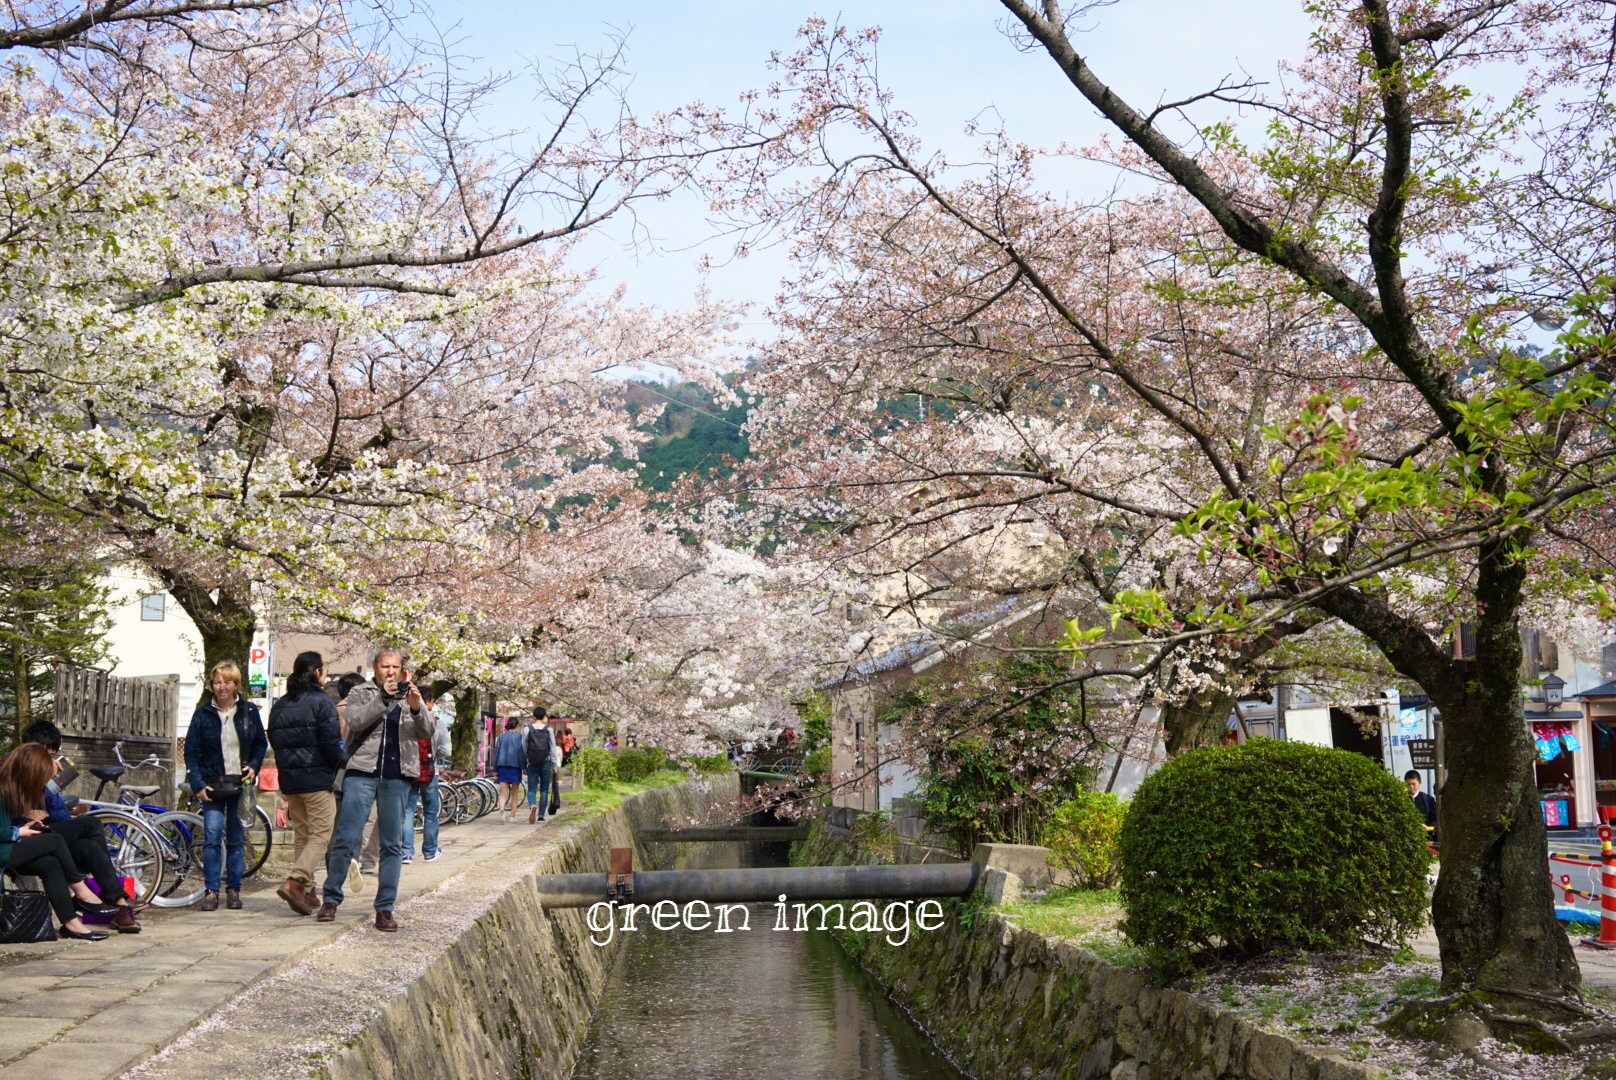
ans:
(210, 901)
(328, 912)
(125, 922)
(296, 895)
(232, 899)
(385, 923)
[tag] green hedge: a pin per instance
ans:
(598, 766)
(714, 763)
(1270, 844)
(636, 763)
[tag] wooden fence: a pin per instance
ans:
(96, 711)
(95, 704)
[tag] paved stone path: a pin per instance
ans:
(1598, 967)
(93, 1010)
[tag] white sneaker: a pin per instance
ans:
(434, 857)
(355, 883)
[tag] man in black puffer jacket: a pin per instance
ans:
(307, 740)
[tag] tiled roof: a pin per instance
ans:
(1602, 690)
(911, 649)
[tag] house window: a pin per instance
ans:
(152, 608)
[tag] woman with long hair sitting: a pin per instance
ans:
(28, 849)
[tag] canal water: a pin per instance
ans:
(785, 1005)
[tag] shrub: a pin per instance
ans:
(1083, 835)
(1002, 747)
(814, 712)
(716, 763)
(1250, 848)
(634, 765)
(597, 766)
(816, 766)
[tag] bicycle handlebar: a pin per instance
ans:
(152, 761)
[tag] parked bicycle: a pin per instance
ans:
(180, 832)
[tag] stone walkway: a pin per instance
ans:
(1598, 967)
(93, 1010)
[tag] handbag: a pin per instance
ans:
(225, 787)
(25, 916)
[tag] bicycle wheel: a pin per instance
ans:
(258, 840)
(182, 835)
(136, 850)
(490, 795)
(448, 804)
(467, 803)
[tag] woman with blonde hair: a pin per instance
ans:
(224, 749)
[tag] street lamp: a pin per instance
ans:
(1553, 690)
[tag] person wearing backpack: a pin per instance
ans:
(539, 746)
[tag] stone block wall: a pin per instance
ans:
(1008, 1003)
(513, 996)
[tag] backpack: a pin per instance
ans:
(539, 745)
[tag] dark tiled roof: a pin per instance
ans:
(1602, 690)
(912, 649)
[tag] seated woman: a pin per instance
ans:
(29, 849)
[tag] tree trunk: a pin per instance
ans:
(22, 698)
(226, 623)
(463, 733)
(1494, 903)
(1196, 722)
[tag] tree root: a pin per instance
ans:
(1461, 1021)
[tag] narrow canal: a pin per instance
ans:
(705, 1006)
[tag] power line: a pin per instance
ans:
(647, 388)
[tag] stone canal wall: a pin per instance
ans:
(1004, 1002)
(513, 995)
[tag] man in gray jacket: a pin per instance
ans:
(386, 720)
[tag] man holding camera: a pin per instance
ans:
(386, 719)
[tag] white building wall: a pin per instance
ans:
(167, 646)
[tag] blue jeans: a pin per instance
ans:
(427, 793)
(538, 784)
(223, 843)
(359, 794)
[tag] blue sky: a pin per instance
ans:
(947, 60)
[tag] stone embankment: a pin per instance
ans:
(1006, 1002)
(482, 982)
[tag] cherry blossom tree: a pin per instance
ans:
(294, 332)
(1309, 384)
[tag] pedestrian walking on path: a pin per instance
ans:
(307, 738)
(224, 749)
(539, 749)
(568, 744)
(509, 761)
(386, 720)
(85, 835)
(425, 790)
(27, 848)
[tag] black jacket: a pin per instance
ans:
(1427, 808)
(204, 752)
(307, 741)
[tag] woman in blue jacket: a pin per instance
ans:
(224, 744)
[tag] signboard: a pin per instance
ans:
(258, 666)
(1423, 753)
